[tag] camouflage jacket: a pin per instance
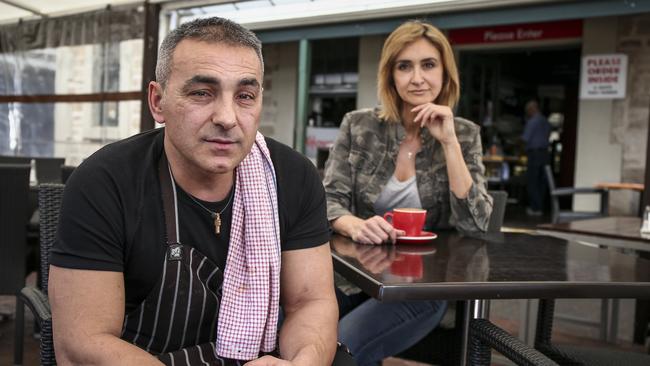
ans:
(362, 161)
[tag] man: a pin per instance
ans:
(536, 134)
(170, 241)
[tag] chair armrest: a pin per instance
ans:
(343, 356)
(484, 333)
(581, 190)
(558, 355)
(37, 302)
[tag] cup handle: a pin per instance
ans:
(387, 215)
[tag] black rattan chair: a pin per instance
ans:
(14, 197)
(49, 203)
(577, 355)
(483, 336)
(4, 159)
(558, 215)
(66, 171)
(499, 201)
(48, 170)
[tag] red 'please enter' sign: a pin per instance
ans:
(517, 32)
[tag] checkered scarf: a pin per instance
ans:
(248, 316)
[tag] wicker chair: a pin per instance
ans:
(485, 335)
(561, 216)
(66, 171)
(574, 355)
(499, 201)
(48, 170)
(49, 202)
(558, 215)
(15, 160)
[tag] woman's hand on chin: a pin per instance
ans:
(438, 119)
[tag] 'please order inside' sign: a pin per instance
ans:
(603, 76)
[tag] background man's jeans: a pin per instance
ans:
(536, 181)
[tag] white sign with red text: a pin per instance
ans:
(603, 76)
(319, 137)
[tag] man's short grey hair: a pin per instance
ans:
(211, 30)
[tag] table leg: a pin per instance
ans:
(641, 203)
(604, 318)
(612, 336)
(527, 320)
(467, 316)
(473, 309)
(641, 320)
(641, 313)
(19, 336)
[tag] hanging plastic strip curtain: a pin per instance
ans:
(112, 24)
(83, 54)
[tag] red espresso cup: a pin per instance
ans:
(411, 220)
(408, 266)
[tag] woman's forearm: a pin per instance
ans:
(346, 224)
(460, 180)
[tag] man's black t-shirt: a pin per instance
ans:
(112, 215)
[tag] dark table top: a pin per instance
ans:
(490, 266)
(615, 227)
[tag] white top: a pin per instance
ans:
(398, 194)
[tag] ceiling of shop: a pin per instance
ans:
(266, 14)
(13, 10)
(252, 11)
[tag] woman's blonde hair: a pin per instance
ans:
(401, 37)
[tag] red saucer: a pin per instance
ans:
(423, 238)
(417, 249)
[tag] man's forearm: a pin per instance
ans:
(103, 349)
(308, 334)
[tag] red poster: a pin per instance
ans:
(517, 32)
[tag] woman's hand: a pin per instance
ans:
(374, 230)
(376, 258)
(438, 119)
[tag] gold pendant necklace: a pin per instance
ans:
(216, 216)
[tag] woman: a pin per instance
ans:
(409, 152)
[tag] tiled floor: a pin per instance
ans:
(505, 314)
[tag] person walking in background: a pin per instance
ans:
(410, 152)
(536, 135)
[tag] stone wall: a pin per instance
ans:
(598, 156)
(369, 54)
(280, 80)
(631, 116)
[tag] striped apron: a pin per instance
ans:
(177, 321)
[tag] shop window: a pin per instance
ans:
(70, 85)
(495, 87)
(334, 78)
(332, 92)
